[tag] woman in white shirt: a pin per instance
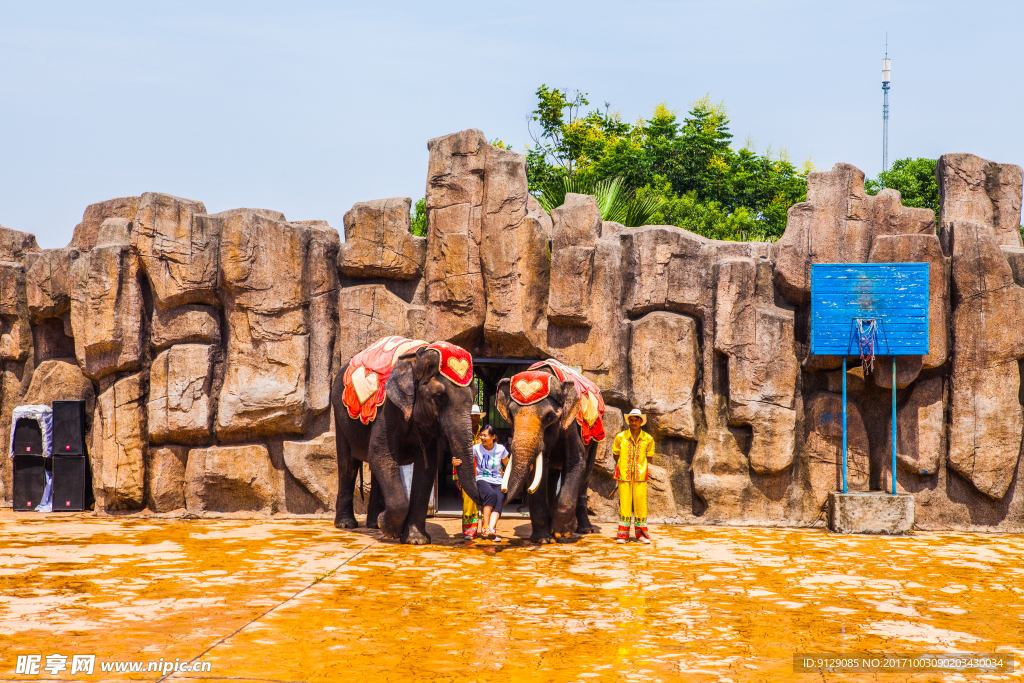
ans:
(491, 457)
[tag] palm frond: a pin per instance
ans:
(639, 211)
(613, 201)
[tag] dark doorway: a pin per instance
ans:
(487, 372)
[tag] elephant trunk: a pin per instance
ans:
(459, 432)
(527, 459)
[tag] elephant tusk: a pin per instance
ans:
(537, 474)
(508, 473)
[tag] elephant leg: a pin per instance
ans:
(344, 517)
(540, 511)
(386, 473)
(424, 474)
(374, 505)
(550, 487)
(583, 524)
(564, 518)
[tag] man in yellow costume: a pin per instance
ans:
(633, 448)
(470, 513)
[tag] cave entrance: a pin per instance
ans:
(487, 372)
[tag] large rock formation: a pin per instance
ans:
(980, 191)
(315, 464)
(513, 253)
(369, 312)
(378, 242)
(986, 417)
(277, 366)
(87, 232)
(757, 338)
(118, 446)
(180, 405)
(165, 478)
(107, 311)
(206, 345)
(230, 479)
(177, 246)
(837, 224)
(15, 333)
(664, 357)
(455, 198)
(60, 380)
(576, 227)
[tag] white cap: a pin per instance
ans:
(476, 410)
(636, 413)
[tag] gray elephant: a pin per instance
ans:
(402, 402)
(551, 441)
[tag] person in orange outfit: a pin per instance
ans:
(633, 448)
(471, 523)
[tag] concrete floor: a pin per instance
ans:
(290, 600)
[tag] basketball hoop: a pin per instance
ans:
(867, 330)
(865, 300)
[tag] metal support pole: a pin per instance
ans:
(844, 424)
(885, 126)
(894, 425)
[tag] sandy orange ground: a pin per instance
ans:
(283, 600)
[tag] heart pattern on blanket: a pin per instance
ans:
(365, 383)
(529, 387)
(460, 366)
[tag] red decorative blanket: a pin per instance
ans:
(591, 402)
(456, 363)
(529, 387)
(367, 374)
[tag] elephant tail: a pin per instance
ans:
(360, 481)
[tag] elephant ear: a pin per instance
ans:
(570, 403)
(401, 388)
(503, 396)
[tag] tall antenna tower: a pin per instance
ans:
(885, 107)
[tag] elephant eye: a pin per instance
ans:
(437, 390)
(549, 417)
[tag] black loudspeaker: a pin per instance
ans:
(29, 481)
(28, 437)
(68, 428)
(70, 480)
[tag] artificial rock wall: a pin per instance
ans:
(205, 344)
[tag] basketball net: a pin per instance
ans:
(866, 336)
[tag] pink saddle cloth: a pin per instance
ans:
(366, 376)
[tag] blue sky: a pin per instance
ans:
(308, 107)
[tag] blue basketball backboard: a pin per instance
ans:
(895, 295)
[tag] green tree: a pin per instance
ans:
(915, 181)
(709, 219)
(684, 163)
(418, 220)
